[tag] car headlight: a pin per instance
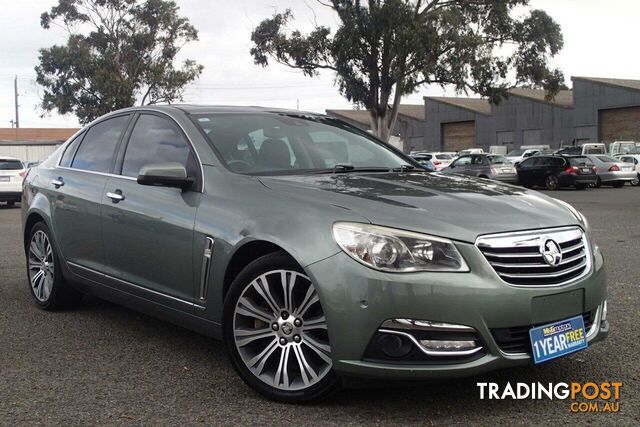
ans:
(398, 251)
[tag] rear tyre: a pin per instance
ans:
(276, 333)
(44, 276)
(598, 183)
(552, 183)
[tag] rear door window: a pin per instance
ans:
(463, 161)
(98, 146)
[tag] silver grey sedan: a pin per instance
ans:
(612, 171)
(491, 166)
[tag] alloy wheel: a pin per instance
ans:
(280, 331)
(41, 266)
(551, 182)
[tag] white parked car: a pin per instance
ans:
(12, 173)
(633, 159)
(519, 154)
(439, 160)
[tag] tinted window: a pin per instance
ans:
(97, 147)
(497, 160)
(580, 161)
(463, 161)
(544, 161)
(529, 163)
(476, 160)
(67, 157)
(557, 162)
(156, 140)
(7, 164)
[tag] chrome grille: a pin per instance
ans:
(517, 257)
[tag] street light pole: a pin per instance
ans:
(15, 90)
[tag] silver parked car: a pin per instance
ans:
(633, 159)
(492, 166)
(612, 171)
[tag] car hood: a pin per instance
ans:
(447, 205)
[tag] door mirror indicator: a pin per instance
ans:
(170, 174)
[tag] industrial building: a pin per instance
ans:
(594, 110)
(32, 144)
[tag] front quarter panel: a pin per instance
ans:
(238, 209)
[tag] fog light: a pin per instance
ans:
(394, 345)
(448, 345)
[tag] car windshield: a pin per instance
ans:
(443, 156)
(10, 164)
(287, 144)
(515, 153)
(498, 160)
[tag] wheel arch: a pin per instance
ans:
(244, 255)
(33, 217)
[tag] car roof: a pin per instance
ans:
(204, 109)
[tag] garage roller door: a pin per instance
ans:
(458, 136)
(620, 124)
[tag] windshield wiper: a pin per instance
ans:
(403, 168)
(341, 168)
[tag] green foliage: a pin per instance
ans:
(384, 49)
(118, 52)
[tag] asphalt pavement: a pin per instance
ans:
(104, 364)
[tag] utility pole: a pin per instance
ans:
(15, 90)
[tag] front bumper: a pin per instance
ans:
(358, 300)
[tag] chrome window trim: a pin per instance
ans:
(537, 233)
(132, 112)
(111, 175)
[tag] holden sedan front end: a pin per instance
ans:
(469, 312)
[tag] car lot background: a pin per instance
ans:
(104, 364)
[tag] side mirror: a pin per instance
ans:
(165, 175)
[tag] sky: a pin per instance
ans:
(600, 41)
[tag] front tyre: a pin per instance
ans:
(276, 332)
(47, 285)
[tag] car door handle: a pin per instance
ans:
(57, 182)
(116, 196)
